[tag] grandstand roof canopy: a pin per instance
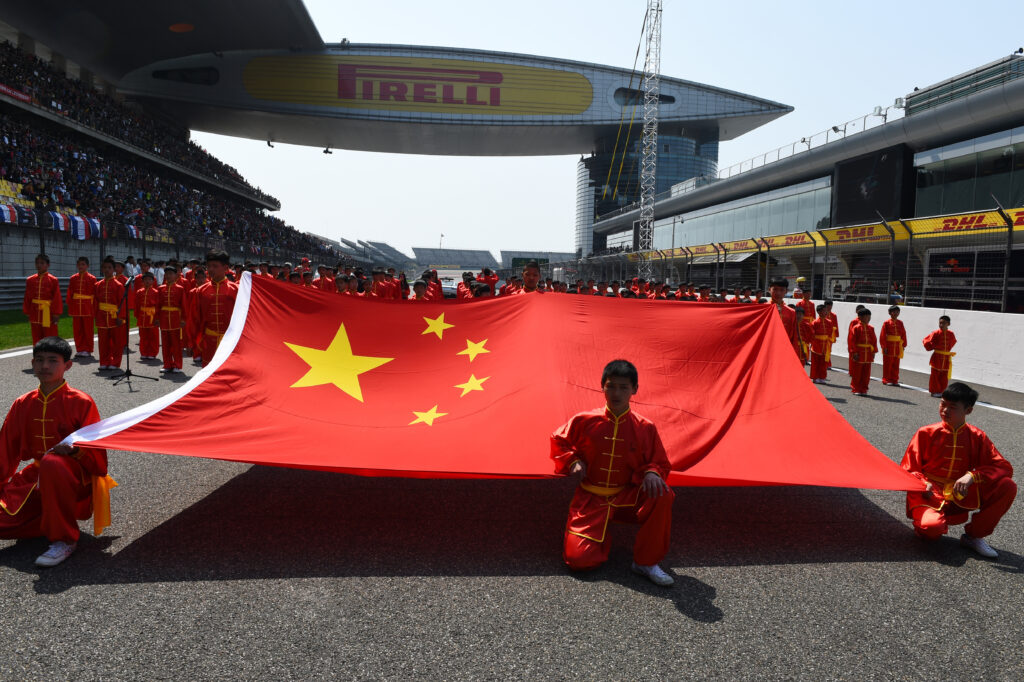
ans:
(454, 258)
(115, 37)
(260, 70)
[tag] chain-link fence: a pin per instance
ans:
(966, 261)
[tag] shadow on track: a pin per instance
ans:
(270, 523)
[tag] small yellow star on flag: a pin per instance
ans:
(436, 326)
(335, 365)
(472, 384)
(427, 417)
(473, 349)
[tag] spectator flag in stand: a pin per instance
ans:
(26, 216)
(60, 222)
(8, 214)
(94, 227)
(79, 228)
(133, 231)
(435, 390)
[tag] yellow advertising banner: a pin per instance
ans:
(788, 241)
(984, 221)
(704, 250)
(417, 85)
(858, 234)
(740, 246)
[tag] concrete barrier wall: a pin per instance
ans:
(19, 246)
(987, 344)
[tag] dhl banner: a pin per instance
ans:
(790, 241)
(741, 246)
(860, 234)
(417, 85)
(975, 223)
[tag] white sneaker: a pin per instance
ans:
(978, 545)
(58, 552)
(654, 574)
(177, 370)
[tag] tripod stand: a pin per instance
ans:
(127, 375)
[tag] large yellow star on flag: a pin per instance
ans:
(472, 384)
(474, 349)
(427, 417)
(335, 365)
(436, 326)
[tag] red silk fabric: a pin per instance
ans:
(481, 397)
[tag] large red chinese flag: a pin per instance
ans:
(315, 380)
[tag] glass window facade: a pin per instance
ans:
(609, 179)
(797, 208)
(967, 175)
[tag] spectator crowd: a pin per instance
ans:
(74, 99)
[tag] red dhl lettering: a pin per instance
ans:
(374, 82)
(966, 222)
(856, 233)
(1018, 218)
(703, 249)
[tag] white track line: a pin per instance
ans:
(28, 351)
(982, 404)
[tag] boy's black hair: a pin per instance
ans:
(419, 283)
(779, 282)
(622, 369)
(52, 344)
(82, 258)
(296, 275)
(171, 268)
(862, 313)
(820, 308)
(893, 307)
(535, 265)
(959, 392)
(829, 301)
(43, 256)
(218, 256)
(148, 274)
(944, 317)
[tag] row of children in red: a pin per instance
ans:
(184, 312)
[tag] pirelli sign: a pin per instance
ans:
(417, 85)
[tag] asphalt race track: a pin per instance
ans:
(217, 570)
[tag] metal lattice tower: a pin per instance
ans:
(649, 142)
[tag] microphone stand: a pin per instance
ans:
(127, 374)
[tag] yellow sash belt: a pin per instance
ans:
(896, 339)
(43, 306)
(109, 308)
(827, 345)
(602, 490)
(101, 487)
(170, 309)
(948, 354)
(82, 297)
(210, 332)
(149, 311)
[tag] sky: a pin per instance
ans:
(833, 62)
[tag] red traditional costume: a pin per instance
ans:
(42, 304)
(618, 452)
(939, 455)
(81, 292)
(214, 303)
(171, 305)
(862, 345)
(490, 280)
(147, 301)
(893, 337)
(821, 347)
(808, 306)
(835, 332)
(805, 334)
(47, 497)
(789, 324)
(941, 343)
(107, 311)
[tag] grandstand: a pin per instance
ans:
(454, 259)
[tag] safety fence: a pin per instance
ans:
(969, 261)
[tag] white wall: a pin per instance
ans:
(987, 347)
